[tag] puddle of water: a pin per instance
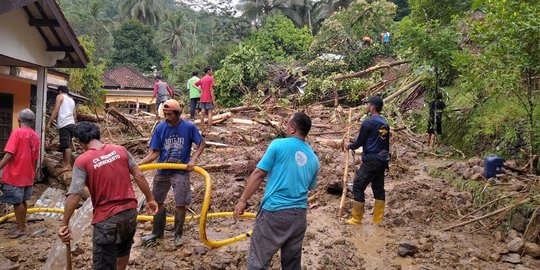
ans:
(56, 260)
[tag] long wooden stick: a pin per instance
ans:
(346, 170)
(68, 256)
(490, 203)
(490, 214)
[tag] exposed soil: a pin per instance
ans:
(418, 207)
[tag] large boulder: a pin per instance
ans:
(515, 245)
(532, 250)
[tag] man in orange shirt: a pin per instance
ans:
(19, 164)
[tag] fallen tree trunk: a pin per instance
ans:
(334, 143)
(402, 90)
(88, 118)
(220, 118)
(122, 119)
(57, 172)
(371, 69)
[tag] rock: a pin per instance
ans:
(468, 173)
(477, 177)
(184, 254)
(513, 234)
(407, 249)
(8, 265)
(481, 254)
(513, 258)
(475, 161)
(478, 169)
(495, 257)
(532, 250)
(340, 241)
(519, 222)
(12, 256)
(169, 265)
(515, 245)
(200, 250)
(499, 236)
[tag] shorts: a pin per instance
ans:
(16, 195)
(206, 105)
(66, 134)
(434, 125)
(180, 184)
(113, 238)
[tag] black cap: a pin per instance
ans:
(376, 101)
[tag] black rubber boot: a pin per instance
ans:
(179, 218)
(158, 229)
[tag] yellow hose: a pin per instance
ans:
(202, 217)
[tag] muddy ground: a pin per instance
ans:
(418, 207)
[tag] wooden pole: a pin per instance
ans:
(346, 170)
(68, 256)
(490, 214)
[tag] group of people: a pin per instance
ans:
(201, 95)
(289, 164)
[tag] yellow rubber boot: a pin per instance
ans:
(357, 213)
(378, 211)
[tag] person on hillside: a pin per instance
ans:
(64, 108)
(367, 41)
(194, 94)
(374, 137)
(436, 108)
(105, 169)
(292, 168)
(19, 168)
(171, 143)
(386, 38)
(162, 93)
(206, 83)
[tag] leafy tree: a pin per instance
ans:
(279, 38)
(430, 44)
(507, 66)
(147, 11)
(87, 81)
(402, 9)
(133, 45)
(178, 33)
(441, 10)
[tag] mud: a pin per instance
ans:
(418, 207)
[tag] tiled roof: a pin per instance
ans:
(126, 77)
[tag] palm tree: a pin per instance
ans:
(146, 11)
(178, 33)
(310, 13)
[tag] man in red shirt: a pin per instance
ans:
(105, 169)
(19, 164)
(206, 102)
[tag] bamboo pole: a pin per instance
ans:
(346, 170)
(490, 214)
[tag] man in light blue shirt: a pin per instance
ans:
(291, 167)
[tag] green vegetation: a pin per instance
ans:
(482, 55)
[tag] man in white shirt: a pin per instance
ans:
(65, 115)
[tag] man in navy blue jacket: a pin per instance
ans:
(374, 137)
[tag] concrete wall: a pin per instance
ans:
(21, 96)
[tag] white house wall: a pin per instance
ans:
(21, 41)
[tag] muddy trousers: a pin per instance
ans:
(371, 171)
(282, 229)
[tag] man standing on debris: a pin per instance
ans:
(436, 108)
(292, 167)
(374, 137)
(19, 164)
(105, 169)
(206, 84)
(171, 143)
(64, 108)
(162, 91)
(194, 94)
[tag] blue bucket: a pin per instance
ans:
(493, 166)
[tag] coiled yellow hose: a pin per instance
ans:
(202, 217)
